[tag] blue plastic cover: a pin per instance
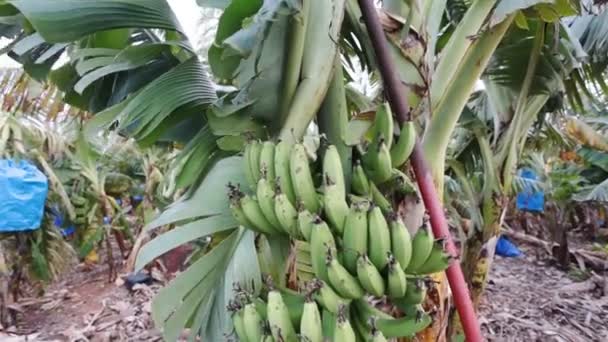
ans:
(527, 199)
(506, 248)
(23, 190)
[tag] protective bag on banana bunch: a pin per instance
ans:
(23, 190)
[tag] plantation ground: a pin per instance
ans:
(528, 299)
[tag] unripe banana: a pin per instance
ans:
(265, 195)
(367, 311)
(343, 282)
(267, 160)
(379, 241)
(302, 180)
(404, 327)
(327, 297)
(360, 183)
(399, 183)
(278, 318)
(305, 223)
(401, 242)
(379, 198)
(252, 322)
(384, 124)
(286, 214)
(247, 167)
(354, 239)
(282, 155)
(438, 260)
(377, 336)
(369, 276)
(239, 215)
(266, 332)
(344, 331)
(422, 245)
(414, 294)
(310, 325)
(321, 240)
(239, 325)
(253, 213)
(397, 282)
(254, 160)
(334, 205)
(401, 151)
(332, 169)
(377, 161)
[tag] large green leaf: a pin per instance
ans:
(69, 20)
(181, 235)
(210, 197)
(184, 85)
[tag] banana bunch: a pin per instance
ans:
(83, 208)
(353, 246)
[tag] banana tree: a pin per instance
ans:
(129, 63)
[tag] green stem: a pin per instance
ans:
(457, 46)
(297, 38)
(333, 118)
(445, 116)
(321, 48)
(516, 125)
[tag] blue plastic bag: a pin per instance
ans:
(506, 248)
(529, 200)
(23, 190)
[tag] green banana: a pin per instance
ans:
(366, 311)
(295, 305)
(384, 124)
(266, 332)
(332, 168)
(328, 324)
(437, 261)
(267, 160)
(286, 214)
(401, 242)
(278, 317)
(247, 167)
(334, 204)
(305, 223)
(404, 327)
(379, 241)
(282, 155)
(265, 195)
(344, 331)
(354, 239)
(239, 326)
(359, 183)
(399, 183)
(310, 324)
(343, 282)
(302, 180)
(414, 294)
(369, 276)
(422, 245)
(379, 198)
(252, 322)
(254, 161)
(397, 283)
(377, 161)
(401, 151)
(364, 333)
(239, 215)
(327, 297)
(321, 241)
(253, 213)
(377, 335)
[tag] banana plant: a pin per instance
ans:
(130, 64)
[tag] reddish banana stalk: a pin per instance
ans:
(394, 89)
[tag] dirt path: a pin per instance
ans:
(85, 307)
(530, 300)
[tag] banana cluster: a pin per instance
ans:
(82, 209)
(288, 316)
(354, 244)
